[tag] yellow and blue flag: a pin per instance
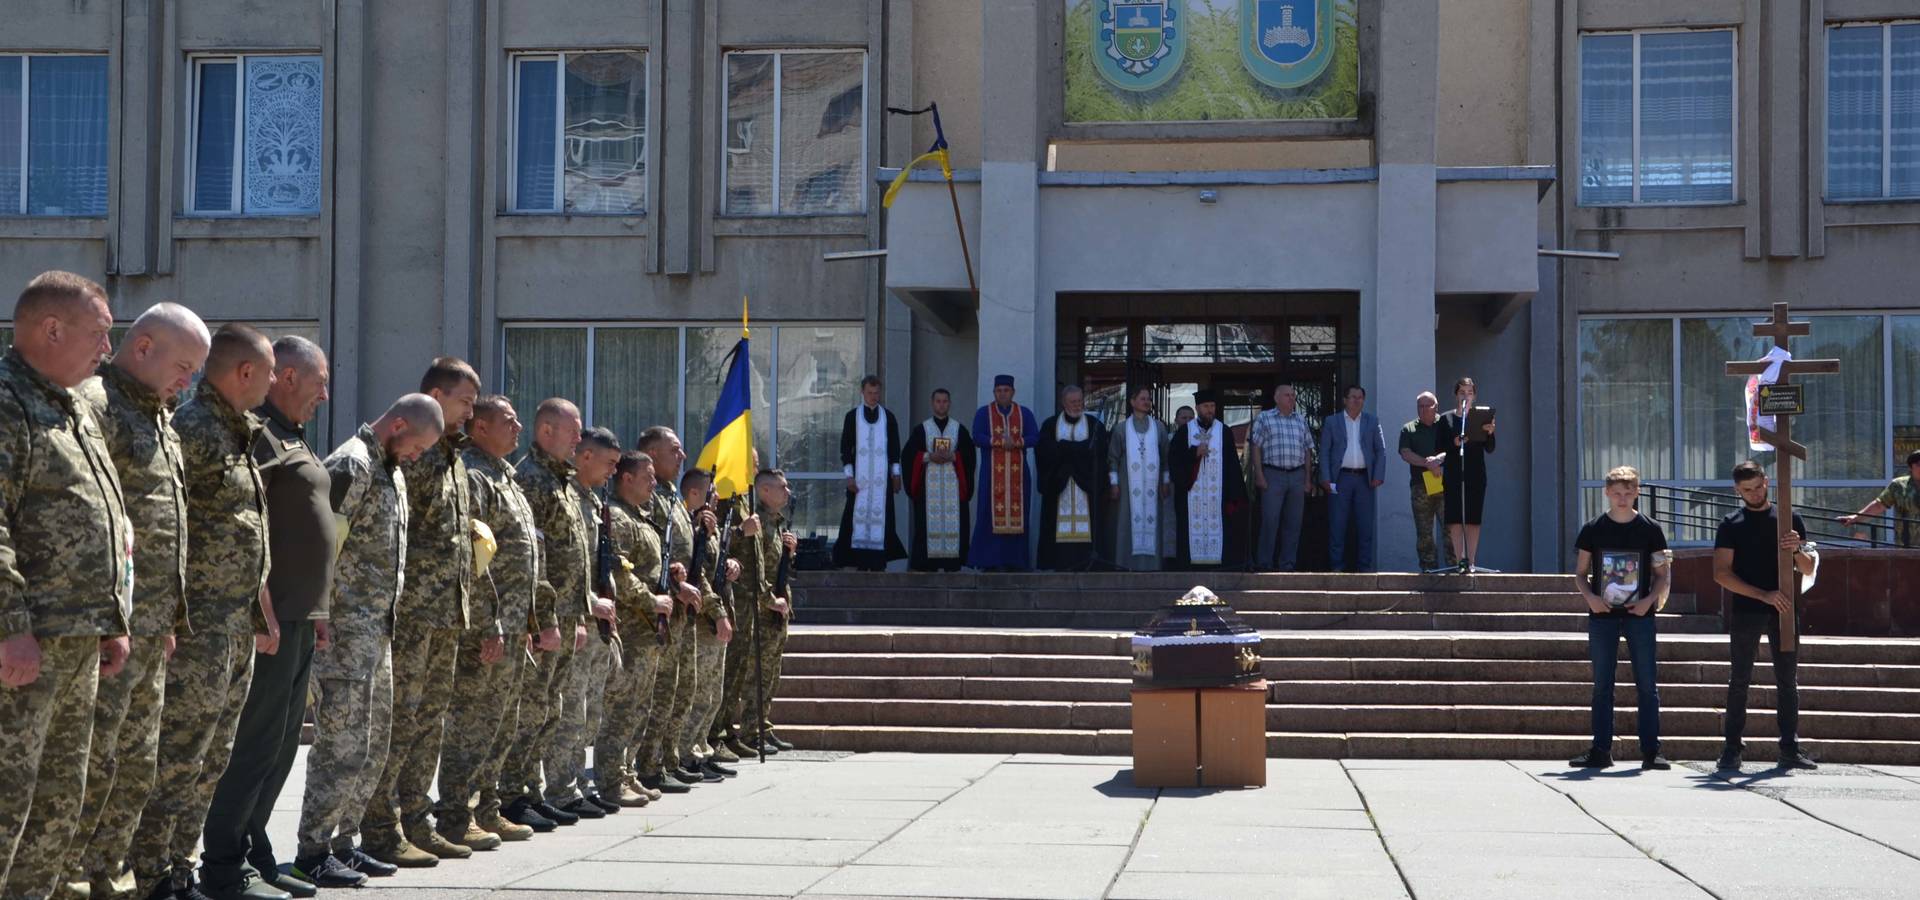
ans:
(937, 153)
(728, 451)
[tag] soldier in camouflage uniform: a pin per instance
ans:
(753, 682)
(352, 682)
(713, 629)
(562, 602)
(66, 572)
(487, 679)
(227, 562)
(433, 615)
(640, 584)
(582, 698)
(132, 400)
(673, 685)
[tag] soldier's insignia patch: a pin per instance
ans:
(1139, 44)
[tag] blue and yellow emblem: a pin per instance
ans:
(1140, 46)
(1286, 43)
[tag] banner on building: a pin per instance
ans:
(1211, 60)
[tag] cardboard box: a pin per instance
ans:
(1166, 738)
(1233, 736)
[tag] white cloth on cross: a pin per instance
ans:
(1775, 358)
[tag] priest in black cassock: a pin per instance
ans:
(1072, 464)
(1209, 495)
(938, 464)
(870, 453)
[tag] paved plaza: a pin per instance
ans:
(1018, 826)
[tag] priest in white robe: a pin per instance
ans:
(1072, 464)
(1210, 497)
(938, 465)
(1139, 484)
(870, 456)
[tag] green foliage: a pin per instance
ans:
(1212, 83)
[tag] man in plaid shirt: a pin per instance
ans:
(1280, 455)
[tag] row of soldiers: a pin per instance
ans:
(177, 581)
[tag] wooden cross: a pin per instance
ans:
(1785, 449)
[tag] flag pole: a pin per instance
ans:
(953, 196)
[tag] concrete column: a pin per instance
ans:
(1008, 264)
(1397, 312)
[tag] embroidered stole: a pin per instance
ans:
(1009, 493)
(942, 492)
(1073, 519)
(1206, 524)
(870, 473)
(1143, 486)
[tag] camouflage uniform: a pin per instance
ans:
(352, 681)
(66, 577)
(489, 696)
(126, 714)
(584, 690)
(432, 615)
(710, 653)
(673, 686)
(637, 572)
(560, 600)
(751, 683)
(207, 679)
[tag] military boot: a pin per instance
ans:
(508, 831)
(739, 750)
(432, 842)
(396, 851)
(629, 798)
(473, 838)
(723, 754)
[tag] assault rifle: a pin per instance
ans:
(759, 667)
(603, 581)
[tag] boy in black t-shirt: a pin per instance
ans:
(1623, 574)
(1746, 564)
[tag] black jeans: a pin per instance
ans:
(1744, 633)
(264, 746)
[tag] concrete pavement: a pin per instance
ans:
(1038, 826)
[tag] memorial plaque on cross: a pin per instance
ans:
(1785, 450)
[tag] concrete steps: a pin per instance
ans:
(1413, 693)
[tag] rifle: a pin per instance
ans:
(759, 668)
(667, 587)
(603, 581)
(724, 589)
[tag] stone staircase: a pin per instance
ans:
(1387, 666)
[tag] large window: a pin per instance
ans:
(796, 124)
(579, 133)
(805, 378)
(53, 135)
(1689, 430)
(256, 141)
(1657, 118)
(1873, 111)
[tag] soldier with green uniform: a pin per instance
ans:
(66, 572)
(656, 755)
(232, 612)
(494, 653)
(713, 628)
(753, 681)
(352, 680)
(133, 402)
(562, 603)
(640, 584)
(581, 707)
(1901, 497)
(427, 630)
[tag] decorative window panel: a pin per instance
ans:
(1657, 118)
(257, 138)
(53, 135)
(1873, 111)
(580, 133)
(795, 133)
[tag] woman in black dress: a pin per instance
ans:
(1464, 475)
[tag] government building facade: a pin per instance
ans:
(579, 196)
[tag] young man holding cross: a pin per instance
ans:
(1745, 563)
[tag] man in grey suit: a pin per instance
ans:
(1353, 461)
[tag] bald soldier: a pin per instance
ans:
(433, 616)
(487, 676)
(66, 572)
(301, 550)
(562, 601)
(231, 611)
(353, 674)
(133, 401)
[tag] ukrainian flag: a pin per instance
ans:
(728, 452)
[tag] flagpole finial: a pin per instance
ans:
(743, 316)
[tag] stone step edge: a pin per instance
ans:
(1582, 709)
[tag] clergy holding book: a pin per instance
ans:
(1138, 483)
(1072, 459)
(1210, 498)
(1000, 515)
(938, 463)
(870, 453)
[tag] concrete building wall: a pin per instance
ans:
(1482, 109)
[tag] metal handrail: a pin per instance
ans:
(1819, 519)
